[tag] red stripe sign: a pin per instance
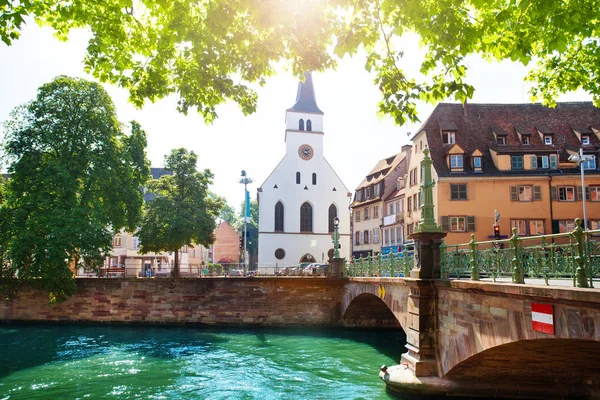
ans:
(542, 318)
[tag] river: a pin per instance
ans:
(169, 362)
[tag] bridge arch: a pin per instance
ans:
(533, 360)
(369, 311)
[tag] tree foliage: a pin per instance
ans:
(228, 215)
(209, 52)
(75, 178)
(183, 212)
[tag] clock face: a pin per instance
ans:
(305, 152)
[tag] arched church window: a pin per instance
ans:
(301, 124)
(332, 215)
(298, 178)
(279, 217)
(314, 178)
(306, 212)
(309, 125)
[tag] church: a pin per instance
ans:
(301, 198)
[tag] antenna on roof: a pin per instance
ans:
(407, 133)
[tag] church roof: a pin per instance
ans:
(305, 98)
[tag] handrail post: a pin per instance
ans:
(474, 261)
(578, 234)
(443, 260)
(379, 261)
(516, 260)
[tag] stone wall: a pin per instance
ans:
(253, 301)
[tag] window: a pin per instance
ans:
(297, 178)
(566, 225)
(306, 218)
(520, 224)
(409, 204)
(458, 224)
(392, 237)
(279, 217)
(357, 238)
(536, 227)
(309, 125)
(332, 215)
(501, 140)
(410, 229)
(375, 235)
(525, 140)
(547, 139)
(458, 192)
(585, 140)
(542, 162)
(375, 211)
(399, 234)
(591, 164)
(279, 254)
(314, 177)
(368, 192)
(456, 161)
(525, 193)
(387, 237)
(477, 162)
(566, 193)
(357, 216)
(516, 162)
(367, 213)
(448, 137)
(377, 189)
(116, 241)
(391, 209)
(399, 206)
(366, 237)
(594, 225)
(415, 202)
(553, 161)
(136, 243)
(301, 124)
(594, 193)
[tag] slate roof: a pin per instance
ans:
(306, 100)
(381, 170)
(476, 131)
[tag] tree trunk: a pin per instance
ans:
(175, 272)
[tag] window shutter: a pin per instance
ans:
(555, 226)
(579, 193)
(587, 192)
(533, 162)
(514, 193)
(553, 161)
(360, 237)
(471, 223)
(537, 193)
(445, 224)
(553, 193)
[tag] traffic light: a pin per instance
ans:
(496, 232)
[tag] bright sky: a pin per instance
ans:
(355, 136)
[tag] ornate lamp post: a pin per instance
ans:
(336, 237)
(245, 181)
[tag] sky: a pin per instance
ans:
(355, 138)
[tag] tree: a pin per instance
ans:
(251, 227)
(75, 178)
(228, 215)
(209, 52)
(183, 212)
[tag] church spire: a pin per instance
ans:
(305, 98)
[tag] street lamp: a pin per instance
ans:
(579, 159)
(245, 181)
(336, 238)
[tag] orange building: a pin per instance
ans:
(227, 244)
(513, 158)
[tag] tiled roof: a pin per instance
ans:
(381, 170)
(475, 131)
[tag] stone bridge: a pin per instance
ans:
(476, 338)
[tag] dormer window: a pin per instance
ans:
(448, 137)
(477, 163)
(585, 140)
(525, 140)
(547, 139)
(501, 140)
(456, 161)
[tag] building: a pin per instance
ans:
(303, 195)
(226, 248)
(513, 158)
(368, 207)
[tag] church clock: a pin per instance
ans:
(305, 152)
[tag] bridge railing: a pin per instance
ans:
(572, 255)
(386, 265)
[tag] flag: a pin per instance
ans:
(247, 206)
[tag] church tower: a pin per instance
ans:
(301, 197)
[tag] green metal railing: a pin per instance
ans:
(573, 255)
(387, 265)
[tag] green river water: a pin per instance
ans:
(122, 362)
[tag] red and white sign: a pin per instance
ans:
(542, 318)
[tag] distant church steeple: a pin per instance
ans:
(305, 98)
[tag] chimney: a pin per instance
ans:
(465, 109)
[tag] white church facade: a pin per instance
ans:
(303, 195)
